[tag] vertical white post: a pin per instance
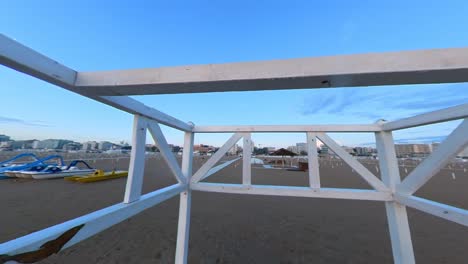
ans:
(400, 234)
(314, 174)
(246, 157)
(137, 160)
(183, 229)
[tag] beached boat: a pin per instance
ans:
(9, 165)
(41, 165)
(99, 175)
(60, 171)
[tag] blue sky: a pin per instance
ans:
(92, 35)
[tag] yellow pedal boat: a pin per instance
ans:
(99, 175)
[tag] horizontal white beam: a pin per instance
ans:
(218, 168)
(21, 58)
(448, 212)
(390, 68)
(451, 146)
(447, 114)
(86, 226)
(287, 128)
(334, 193)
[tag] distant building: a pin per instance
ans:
(90, 146)
(22, 144)
(364, 151)
(301, 148)
(412, 150)
(50, 143)
(324, 150)
(4, 138)
(72, 146)
(203, 148)
(105, 145)
(292, 149)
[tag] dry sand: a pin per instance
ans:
(229, 228)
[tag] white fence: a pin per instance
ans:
(432, 66)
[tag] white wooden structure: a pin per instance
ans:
(111, 88)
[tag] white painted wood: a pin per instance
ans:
(183, 229)
(166, 152)
(287, 128)
(218, 168)
(137, 160)
(448, 212)
(187, 154)
(216, 157)
(26, 60)
(312, 158)
(93, 223)
(21, 58)
(274, 190)
(352, 162)
(389, 68)
(246, 157)
(400, 235)
(133, 106)
(451, 146)
(447, 114)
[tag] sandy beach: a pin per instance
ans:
(229, 228)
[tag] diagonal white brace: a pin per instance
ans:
(353, 163)
(167, 154)
(454, 143)
(216, 157)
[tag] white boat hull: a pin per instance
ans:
(41, 175)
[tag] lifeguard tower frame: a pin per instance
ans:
(112, 88)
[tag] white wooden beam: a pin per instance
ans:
(133, 106)
(312, 158)
(389, 68)
(287, 128)
(246, 157)
(352, 162)
(400, 235)
(274, 190)
(216, 157)
(451, 146)
(87, 225)
(21, 58)
(448, 212)
(447, 114)
(137, 160)
(167, 154)
(185, 204)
